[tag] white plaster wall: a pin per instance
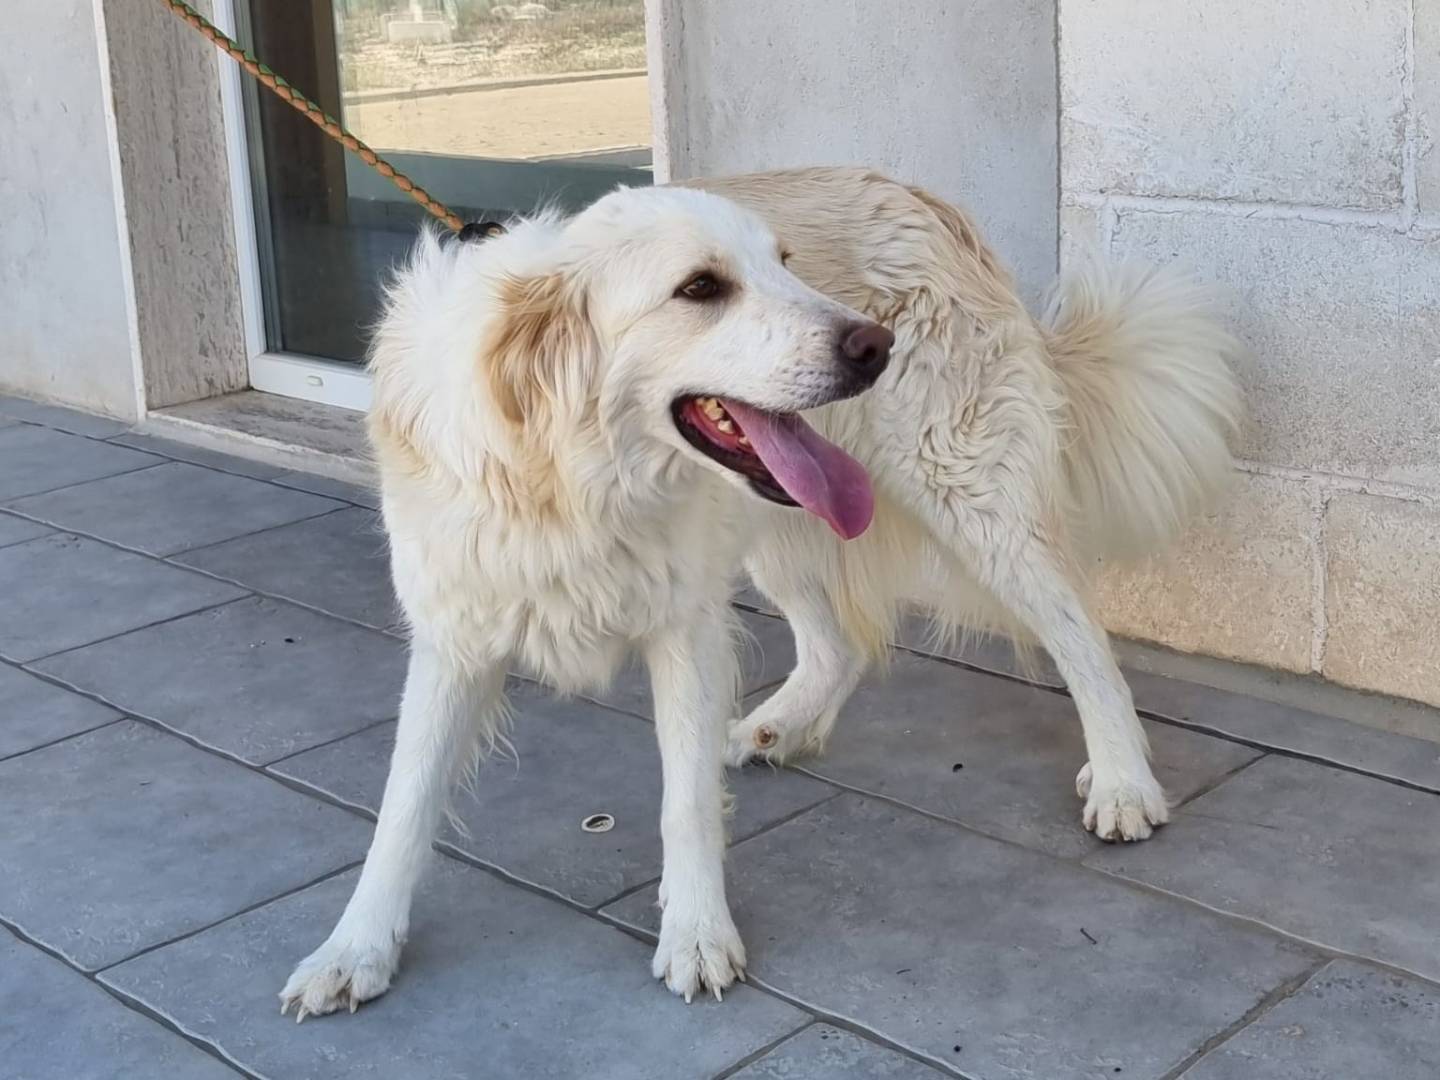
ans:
(960, 98)
(1289, 157)
(63, 305)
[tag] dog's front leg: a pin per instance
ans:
(692, 671)
(445, 709)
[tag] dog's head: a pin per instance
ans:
(667, 316)
(674, 310)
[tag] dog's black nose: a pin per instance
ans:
(866, 346)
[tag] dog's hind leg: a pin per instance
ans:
(444, 711)
(798, 718)
(1025, 573)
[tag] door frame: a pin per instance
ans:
(333, 382)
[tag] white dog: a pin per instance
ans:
(1008, 455)
(572, 422)
(563, 417)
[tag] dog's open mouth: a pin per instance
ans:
(784, 459)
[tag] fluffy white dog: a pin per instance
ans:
(572, 422)
(1008, 455)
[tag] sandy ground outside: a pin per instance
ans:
(519, 122)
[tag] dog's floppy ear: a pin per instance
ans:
(540, 358)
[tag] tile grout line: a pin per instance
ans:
(1319, 948)
(168, 556)
(1187, 725)
(284, 894)
(172, 563)
(24, 665)
(62, 739)
(127, 1001)
(755, 1055)
(855, 1027)
(1136, 884)
(783, 819)
(9, 507)
(1283, 992)
(329, 742)
(1225, 777)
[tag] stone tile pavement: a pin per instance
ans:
(198, 680)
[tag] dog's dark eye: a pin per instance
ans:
(701, 287)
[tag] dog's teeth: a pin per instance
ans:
(726, 425)
(744, 441)
(711, 408)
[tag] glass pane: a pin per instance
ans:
(493, 108)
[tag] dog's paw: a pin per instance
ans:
(697, 954)
(1123, 809)
(761, 737)
(339, 975)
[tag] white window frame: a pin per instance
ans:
(334, 382)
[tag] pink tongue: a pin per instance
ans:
(816, 474)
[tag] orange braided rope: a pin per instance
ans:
(313, 112)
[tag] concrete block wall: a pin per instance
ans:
(1293, 159)
(957, 97)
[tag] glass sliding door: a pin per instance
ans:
(494, 108)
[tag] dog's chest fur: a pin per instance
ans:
(565, 601)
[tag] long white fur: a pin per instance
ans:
(1010, 453)
(1007, 453)
(545, 515)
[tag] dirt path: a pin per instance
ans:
(521, 122)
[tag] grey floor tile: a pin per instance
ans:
(198, 455)
(1326, 855)
(991, 652)
(32, 712)
(1019, 747)
(16, 530)
(1284, 727)
(496, 981)
(55, 1024)
(359, 494)
(62, 591)
(573, 759)
(185, 506)
(258, 678)
(132, 837)
(337, 562)
(935, 937)
(767, 653)
(823, 1052)
(34, 459)
(71, 420)
(1349, 1022)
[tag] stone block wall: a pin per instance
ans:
(1288, 155)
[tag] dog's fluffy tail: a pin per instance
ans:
(1152, 400)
